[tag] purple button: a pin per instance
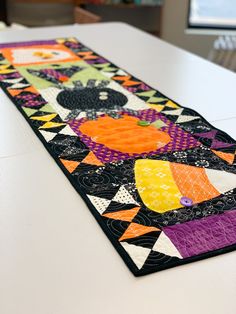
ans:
(185, 201)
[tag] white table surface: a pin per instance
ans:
(54, 257)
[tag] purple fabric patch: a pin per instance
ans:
(215, 142)
(179, 138)
(203, 235)
(76, 46)
(9, 76)
(28, 43)
(30, 100)
(142, 87)
(98, 60)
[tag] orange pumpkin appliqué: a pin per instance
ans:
(125, 135)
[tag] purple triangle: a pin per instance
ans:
(100, 61)
(217, 144)
(210, 134)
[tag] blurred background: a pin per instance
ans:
(206, 28)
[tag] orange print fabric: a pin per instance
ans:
(193, 182)
(125, 135)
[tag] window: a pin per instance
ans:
(212, 14)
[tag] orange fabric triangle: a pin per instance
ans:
(126, 79)
(135, 230)
(125, 215)
(130, 83)
(15, 92)
(122, 78)
(85, 53)
(225, 156)
(90, 57)
(91, 159)
(70, 164)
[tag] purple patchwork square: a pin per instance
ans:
(180, 140)
(203, 235)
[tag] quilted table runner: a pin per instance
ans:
(158, 178)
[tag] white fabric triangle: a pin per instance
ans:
(108, 74)
(15, 80)
(48, 135)
(136, 104)
(138, 254)
(19, 85)
(165, 246)
(121, 72)
(223, 181)
(99, 203)
(176, 112)
(81, 115)
(183, 118)
(67, 131)
(123, 197)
